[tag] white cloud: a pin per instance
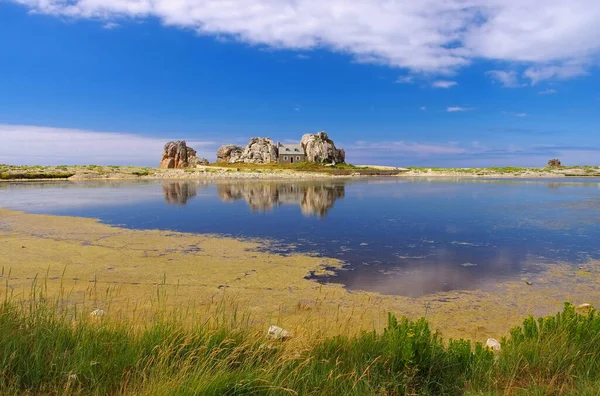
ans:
(421, 149)
(558, 72)
(510, 113)
(547, 92)
(405, 80)
(426, 36)
(454, 109)
(443, 84)
(508, 79)
(110, 25)
(25, 144)
(422, 108)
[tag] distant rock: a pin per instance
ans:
(229, 154)
(554, 163)
(319, 148)
(260, 151)
(177, 155)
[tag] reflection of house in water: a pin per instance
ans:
(178, 193)
(313, 199)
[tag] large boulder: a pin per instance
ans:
(554, 163)
(177, 155)
(260, 151)
(319, 148)
(229, 154)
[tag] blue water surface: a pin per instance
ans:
(409, 237)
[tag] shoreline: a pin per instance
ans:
(249, 176)
(78, 253)
(93, 173)
(280, 172)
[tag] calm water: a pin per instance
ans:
(407, 237)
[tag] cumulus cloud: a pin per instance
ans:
(443, 84)
(454, 109)
(508, 79)
(25, 144)
(426, 36)
(547, 92)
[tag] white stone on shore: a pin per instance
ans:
(97, 312)
(585, 306)
(277, 333)
(493, 344)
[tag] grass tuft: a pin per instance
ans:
(51, 347)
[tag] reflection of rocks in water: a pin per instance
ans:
(263, 197)
(260, 197)
(178, 193)
(319, 199)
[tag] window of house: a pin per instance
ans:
(297, 158)
(285, 158)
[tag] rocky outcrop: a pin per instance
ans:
(229, 154)
(177, 155)
(260, 151)
(194, 162)
(319, 148)
(554, 163)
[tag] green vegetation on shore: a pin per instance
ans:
(49, 348)
(573, 171)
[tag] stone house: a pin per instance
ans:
(290, 153)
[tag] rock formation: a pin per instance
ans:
(177, 155)
(229, 154)
(554, 163)
(319, 148)
(260, 151)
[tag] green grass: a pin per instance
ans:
(47, 348)
(141, 173)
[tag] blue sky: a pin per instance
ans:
(430, 83)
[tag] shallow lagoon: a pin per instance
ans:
(409, 237)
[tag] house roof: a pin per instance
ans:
(291, 149)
